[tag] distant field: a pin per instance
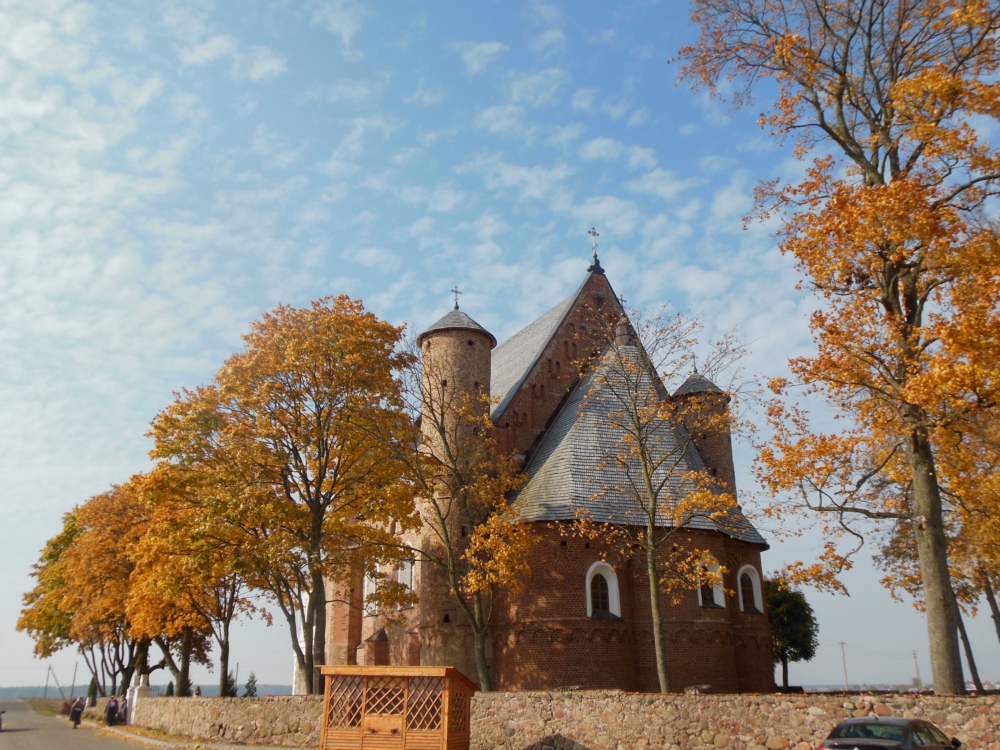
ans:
(38, 691)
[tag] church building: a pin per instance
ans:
(583, 619)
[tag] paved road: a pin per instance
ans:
(23, 729)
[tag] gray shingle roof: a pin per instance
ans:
(514, 358)
(456, 320)
(574, 469)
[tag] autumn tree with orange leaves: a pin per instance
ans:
(888, 227)
(293, 479)
(472, 540)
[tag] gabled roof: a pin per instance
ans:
(573, 468)
(515, 358)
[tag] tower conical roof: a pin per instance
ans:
(456, 320)
(697, 383)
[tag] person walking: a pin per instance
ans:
(111, 712)
(76, 711)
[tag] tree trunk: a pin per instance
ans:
(991, 599)
(479, 632)
(223, 669)
(184, 678)
(318, 602)
(784, 671)
(654, 605)
(968, 655)
(932, 553)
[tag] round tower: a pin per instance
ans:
(455, 374)
(701, 401)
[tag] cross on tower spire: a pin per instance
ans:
(595, 267)
(456, 293)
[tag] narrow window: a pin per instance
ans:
(707, 595)
(746, 591)
(600, 601)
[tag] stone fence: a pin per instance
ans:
(597, 720)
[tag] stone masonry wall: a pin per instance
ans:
(597, 720)
(285, 720)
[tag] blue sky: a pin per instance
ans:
(170, 170)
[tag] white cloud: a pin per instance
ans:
(253, 63)
(425, 96)
(663, 183)
(732, 202)
(639, 117)
(371, 256)
(478, 56)
(601, 148)
(538, 89)
(614, 108)
(258, 64)
(530, 183)
(202, 53)
(613, 216)
(548, 42)
(276, 149)
(565, 135)
(641, 157)
(342, 18)
(583, 99)
(504, 119)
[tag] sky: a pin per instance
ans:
(171, 170)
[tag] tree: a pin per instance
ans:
(251, 687)
(793, 625)
(298, 485)
(82, 587)
(472, 536)
(651, 462)
(887, 225)
(186, 569)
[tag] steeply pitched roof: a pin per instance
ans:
(514, 359)
(456, 320)
(574, 469)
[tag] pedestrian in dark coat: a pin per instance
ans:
(76, 711)
(111, 712)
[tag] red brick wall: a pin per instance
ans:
(544, 639)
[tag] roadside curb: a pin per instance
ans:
(191, 744)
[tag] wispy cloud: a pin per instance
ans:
(601, 148)
(539, 88)
(663, 183)
(342, 18)
(583, 99)
(425, 96)
(477, 57)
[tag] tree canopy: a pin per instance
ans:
(794, 629)
(889, 102)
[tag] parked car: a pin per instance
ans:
(876, 733)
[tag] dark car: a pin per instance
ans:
(872, 733)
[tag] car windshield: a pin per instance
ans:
(869, 731)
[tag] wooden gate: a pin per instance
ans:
(395, 708)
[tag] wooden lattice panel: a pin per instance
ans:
(385, 696)
(424, 703)
(345, 708)
(458, 709)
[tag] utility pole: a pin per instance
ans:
(843, 660)
(920, 683)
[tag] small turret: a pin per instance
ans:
(699, 394)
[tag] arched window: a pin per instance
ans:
(369, 589)
(405, 577)
(749, 590)
(710, 594)
(603, 600)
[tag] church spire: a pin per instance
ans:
(595, 267)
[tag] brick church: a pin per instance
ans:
(583, 619)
